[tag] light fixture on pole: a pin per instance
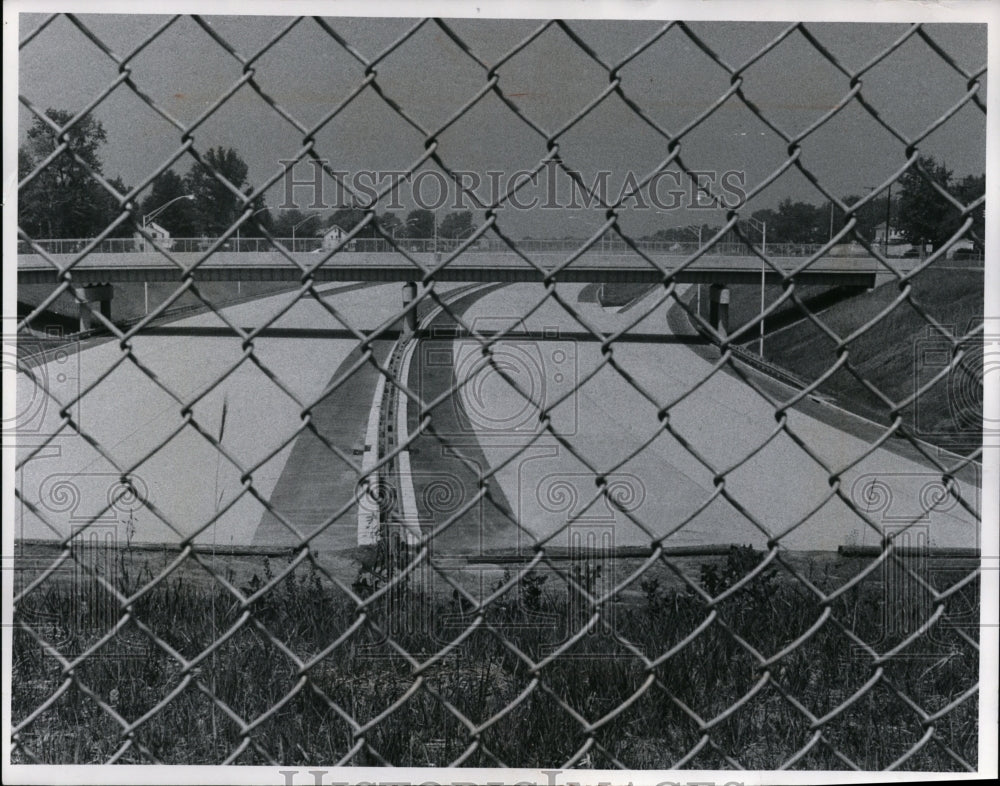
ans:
(261, 210)
(697, 231)
(416, 220)
(146, 220)
(303, 221)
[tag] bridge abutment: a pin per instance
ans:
(718, 308)
(410, 317)
(101, 294)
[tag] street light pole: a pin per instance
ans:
(261, 210)
(304, 220)
(888, 219)
(697, 291)
(154, 213)
(146, 219)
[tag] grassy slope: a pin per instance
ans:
(889, 354)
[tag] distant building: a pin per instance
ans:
(895, 235)
(332, 237)
(965, 245)
(160, 236)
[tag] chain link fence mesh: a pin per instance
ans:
(589, 655)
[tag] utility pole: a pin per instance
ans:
(888, 219)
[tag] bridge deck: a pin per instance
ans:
(470, 266)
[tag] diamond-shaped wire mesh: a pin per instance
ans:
(457, 630)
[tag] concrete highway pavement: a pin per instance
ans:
(187, 479)
(606, 420)
(603, 417)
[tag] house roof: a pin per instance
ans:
(155, 229)
(894, 230)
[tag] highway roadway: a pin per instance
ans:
(537, 485)
(188, 480)
(604, 419)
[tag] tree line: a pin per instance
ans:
(64, 201)
(917, 211)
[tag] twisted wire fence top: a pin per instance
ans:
(457, 694)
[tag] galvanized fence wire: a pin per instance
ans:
(193, 673)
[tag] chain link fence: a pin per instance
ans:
(569, 647)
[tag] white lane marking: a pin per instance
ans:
(407, 494)
(368, 491)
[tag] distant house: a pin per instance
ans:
(965, 245)
(895, 235)
(160, 236)
(332, 237)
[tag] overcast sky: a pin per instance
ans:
(309, 73)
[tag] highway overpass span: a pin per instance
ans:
(95, 269)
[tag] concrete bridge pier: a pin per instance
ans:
(94, 293)
(718, 308)
(409, 295)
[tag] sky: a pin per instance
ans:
(308, 73)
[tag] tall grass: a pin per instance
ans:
(484, 674)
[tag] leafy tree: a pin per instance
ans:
(390, 223)
(420, 224)
(287, 219)
(968, 190)
(924, 215)
(259, 216)
(110, 210)
(216, 206)
(688, 234)
(797, 222)
(181, 218)
(456, 225)
(349, 217)
(63, 200)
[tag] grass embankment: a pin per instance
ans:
(481, 676)
(898, 354)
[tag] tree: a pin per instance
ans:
(288, 219)
(685, 234)
(216, 206)
(925, 216)
(259, 216)
(456, 225)
(968, 191)
(63, 200)
(390, 223)
(420, 224)
(349, 217)
(181, 218)
(797, 222)
(109, 209)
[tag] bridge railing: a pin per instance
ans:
(608, 246)
(413, 245)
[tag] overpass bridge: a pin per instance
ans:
(94, 275)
